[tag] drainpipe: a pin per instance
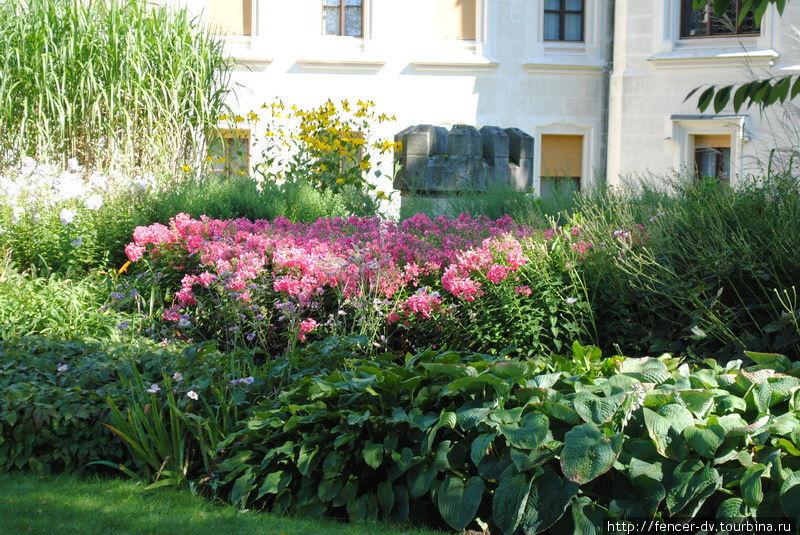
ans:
(608, 47)
(615, 89)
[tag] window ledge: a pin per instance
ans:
(471, 64)
(710, 57)
(354, 64)
(563, 66)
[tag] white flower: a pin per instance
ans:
(184, 322)
(98, 180)
(571, 300)
(153, 389)
(72, 165)
(77, 242)
(192, 395)
(177, 376)
(67, 216)
(62, 367)
(94, 202)
(17, 213)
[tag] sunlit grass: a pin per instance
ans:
(69, 505)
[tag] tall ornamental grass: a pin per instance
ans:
(111, 82)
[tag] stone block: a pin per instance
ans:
(520, 145)
(495, 142)
(464, 140)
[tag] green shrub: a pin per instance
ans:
(525, 445)
(57, 306)
(55, 395)
(113, 83)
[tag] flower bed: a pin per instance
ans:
(489, 282)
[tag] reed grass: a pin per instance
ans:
(112, 82)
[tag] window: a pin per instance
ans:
(712, 156)
(703, 22)
(230, 17)
(563, 20)
(229, 152)
(562, 163)
(343, 17)
(455, 19)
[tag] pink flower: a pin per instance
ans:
(134, 252)
(496, 274)
(308, 325)
(523, 290)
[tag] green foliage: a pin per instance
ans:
(763, 93)
(112, 83)
(56, 306)
(517, 444)
(55, 395)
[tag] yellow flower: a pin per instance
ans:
(238, 119)
(240, 172)
(185, 168)
(223, 117)
(340, 181)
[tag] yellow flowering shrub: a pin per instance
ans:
(331, 146)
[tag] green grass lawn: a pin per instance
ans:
(66, 504)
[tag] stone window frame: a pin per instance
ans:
(342, 7)
(562, 13)
(588, 152)
(686, 6)
(685, 127)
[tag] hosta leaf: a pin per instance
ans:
(773, 361)
(531, 433)
(274, 483)
(549, 496)
(457, 502)
(589, 518)
(665, 428)
(527, 460)
(471, 414)
(509, 500)
(750, 484)
(692, 483)
(732, 510)
(385, 497)
(705, 440)
(595, 409)
(588, 453)
(479, 384)
(699, 402)
(373, 454)
(328, 489)
(479, 447)
(420, 478)
(515, 370)
(790, 495)
(400, 507)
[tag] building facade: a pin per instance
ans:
(599, 84)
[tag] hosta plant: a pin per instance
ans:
(470, 440)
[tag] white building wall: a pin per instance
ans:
(654, 70)
(508, 77)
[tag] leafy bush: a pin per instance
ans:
(55, 395)
(485, 283)
(525, 445)
(113, 83)
(55, 306)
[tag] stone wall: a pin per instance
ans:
(437, 161)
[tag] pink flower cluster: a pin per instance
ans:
(302, 263)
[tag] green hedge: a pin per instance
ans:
(525, 445)
(54, 396)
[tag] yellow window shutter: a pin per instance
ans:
(716, 141)
(562, 155)
(455, 19)
(233, 17)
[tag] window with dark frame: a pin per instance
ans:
(712, 156)
(343, 17)
(704, 23)
(563, 20)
